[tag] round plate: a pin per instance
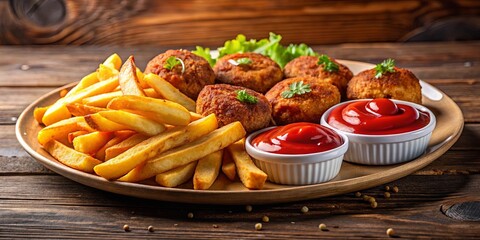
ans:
(352, 177)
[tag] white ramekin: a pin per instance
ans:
(298, 169)
(386, 149)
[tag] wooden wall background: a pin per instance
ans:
(211, 22)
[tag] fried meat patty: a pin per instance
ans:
(259, 75)
(221, 99)
(307, 66)
(196, 75)
(307, 107)
(400, 84)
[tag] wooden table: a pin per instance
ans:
(36, 202)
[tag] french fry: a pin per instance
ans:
(195, 116)
(140, 77)
(250, 175)
(150, 92)
(58, 111)
(101, 100)
(75, 134)
(119, 137)
(168, 91)
(176, 176)
(228, 166)
(90, 143)
(78, 109)
(38, 113)
(85, 82)
(201, 147)
(105, 72)
(128, 79)
(158, 109)
(123, 146)
(113, 61)
(101, 124)
(207, 170)
(70, 157)
(61, 129)
(134, 122)
(126, 161)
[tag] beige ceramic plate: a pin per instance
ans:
(351, 178)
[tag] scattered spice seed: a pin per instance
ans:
(258, 226)
(372, 200)
(373, 204)
(150, 229)
(322, 226)
(265, 219)
(366, 197)
(190, 215)
(358, 194)
(390, 232)
(215, 226)
(304, 209)
(386, 195)
(126, 228)
(395, 189)
(387, 188)
(175, 224)
(24, 67)
(248, 208)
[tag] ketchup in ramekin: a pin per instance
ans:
(379, 116)
(297, 138)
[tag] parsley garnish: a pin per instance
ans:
(240, 61)
(243, 96)
(172, 62)
(296, 88)
(328, 65)
(384, 67)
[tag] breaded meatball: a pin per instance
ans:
(401, 85)
(221, 99)
(307, 107)
(259, 74)
(196, 75)
(307, 66)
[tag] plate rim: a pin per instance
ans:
(239, 196)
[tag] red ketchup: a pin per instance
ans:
(377, 117)
(297, 138)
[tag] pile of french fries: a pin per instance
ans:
(123, 125)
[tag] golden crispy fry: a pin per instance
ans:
(86, 81)
(195, 116)
(119, 137)
(70, 157)
(114, 61)
(158, 109)
(75, 134)
(168, 91)
(90, 143)
(228, 166)
(123, 146)
(105, 72)
(250, 175)
(58, 111)
(101, 124)
(123, 163)
(128, 79)
(101, 100)
(176, 176)
(134, 122)
(207, 170)
(201, 147)
(78, 109)
(39, 112)
(140, 77)
(150, 92)
(61, 129)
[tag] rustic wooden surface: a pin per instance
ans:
(36, 202)
(204, 22)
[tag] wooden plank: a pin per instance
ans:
(174, 23)
(40, 206)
